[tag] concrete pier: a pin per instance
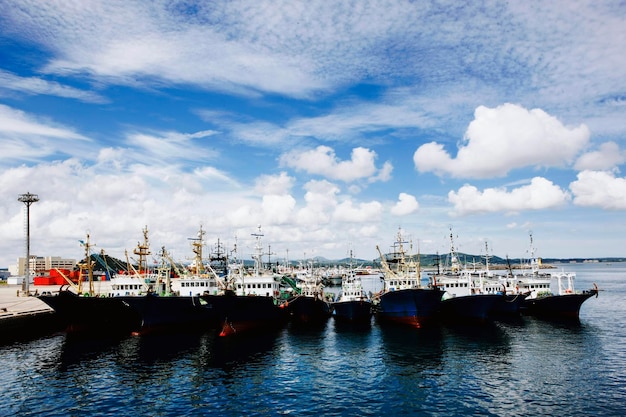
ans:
(25, 317)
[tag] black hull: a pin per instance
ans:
(469, 308)
(353, 311)
(412, 307)
(246, 314)
(558, 307)
(508, 305)
(163, 313)
(93, 314)
(311, 310)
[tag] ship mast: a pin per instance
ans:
(196, 247)
(142, 251)
(86, 266)
(258, 252)
(455, 264)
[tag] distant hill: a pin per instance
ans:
(426, 261)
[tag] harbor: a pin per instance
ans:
(523, 366)
(220, 293)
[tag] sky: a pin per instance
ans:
(331, 125)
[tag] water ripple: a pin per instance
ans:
(518, 367)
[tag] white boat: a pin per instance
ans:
(353, 304)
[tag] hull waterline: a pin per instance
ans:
(508, 305)
(238, 314)
(353, 311)
(410, 307)
(469, 308)
(557, 306)
(173, 313)
(92, 314)
(309, 310)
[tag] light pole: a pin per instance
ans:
(27, 199)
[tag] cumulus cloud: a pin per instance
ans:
(280, 184)
(608, 156)
(504, 138)
(321, 199)
(406, 204)
(323, 161)
(599, 189)
(363, 212)
(384, 174)
(539, 194)
(277, 209)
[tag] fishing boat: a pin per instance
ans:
(199, 277)
(249, 302)
(310, 305)
(464, 299)
(550, 294)
(82, 309)
(508, 303)
(403, 299)
(561, 302)
(162, 309)
(353, 304)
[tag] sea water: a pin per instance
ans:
(523, 366)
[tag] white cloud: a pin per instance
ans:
(214, 175)
(346, 211)
(280, 184)
(26, 137)
(599, 189)
(15, 122)
(384, 174)
(608, 156)
(406, 204)
(166, 146)
(352, 119)
(277, 209)
(320, 199)
(310, 47)
(539, 194)
(502, 139)
(33, 85)
(323, 161)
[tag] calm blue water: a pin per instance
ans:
(523, 367)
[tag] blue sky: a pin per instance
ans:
(330, 124)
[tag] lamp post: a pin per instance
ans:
(27, 199)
